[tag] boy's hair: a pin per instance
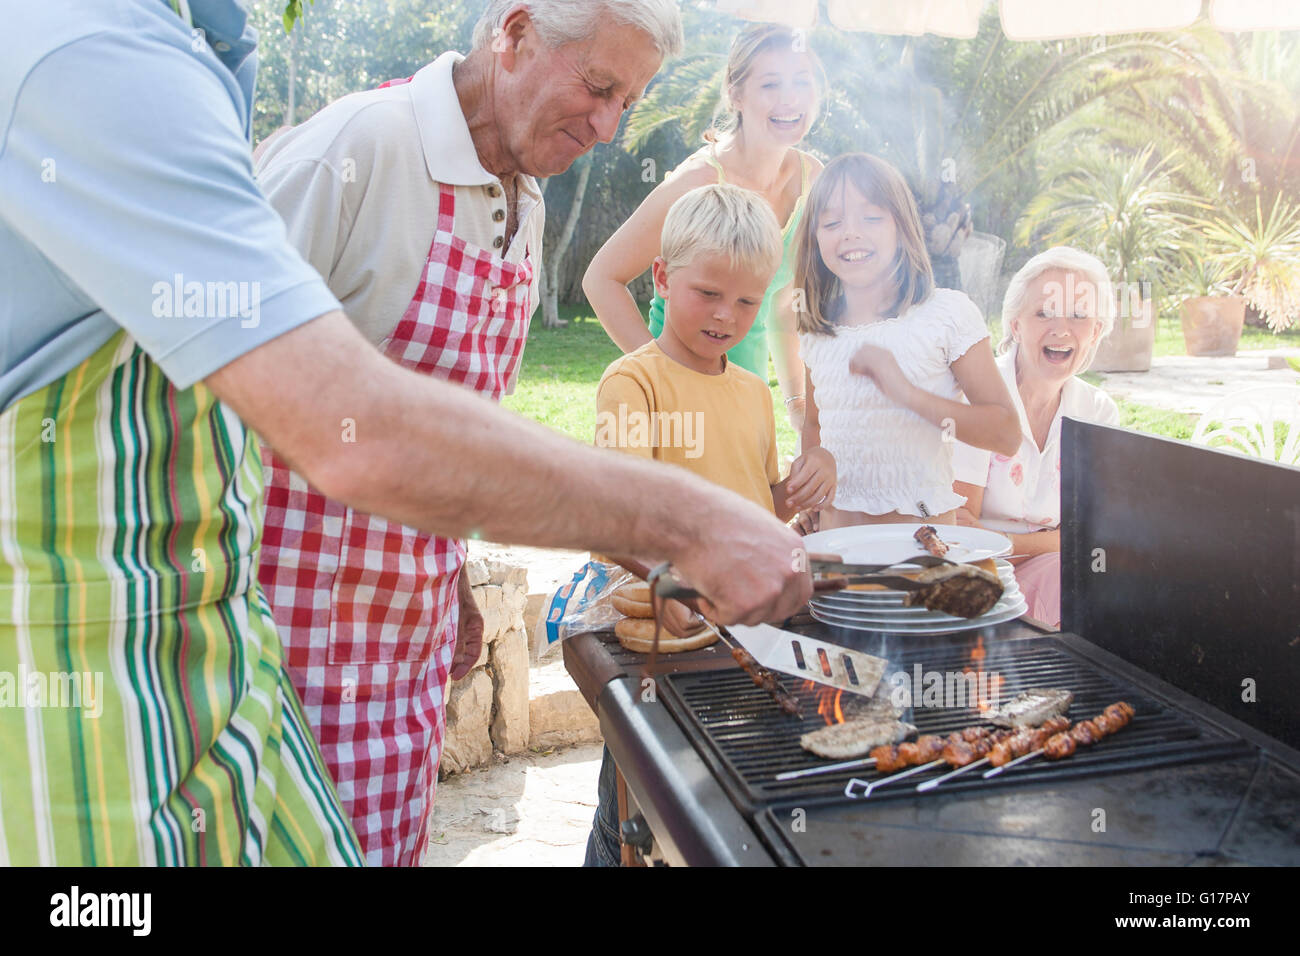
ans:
(883, 186)
(722, 220)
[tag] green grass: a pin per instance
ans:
(562, 367)
(1169, 338)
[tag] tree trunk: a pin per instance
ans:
(552, 258)
(293, 76)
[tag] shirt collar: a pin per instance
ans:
(449, 151)
(1071, 394)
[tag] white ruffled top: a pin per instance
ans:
(889, 458)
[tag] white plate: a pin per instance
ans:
(993, 617)
(888, 543)
(911, 615)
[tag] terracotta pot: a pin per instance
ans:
(1212, 323)
(1129, 346)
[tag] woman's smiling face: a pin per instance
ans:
(1058, 325)
(778, 100)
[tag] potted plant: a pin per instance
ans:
(1262, 259)
(1122, 208)
(1211, 314)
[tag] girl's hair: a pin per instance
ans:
(722, 220)
(882, 185)
(1067, 259)
(752, 42)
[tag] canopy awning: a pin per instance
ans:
(1022, 19)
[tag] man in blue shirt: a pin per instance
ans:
(150, 306)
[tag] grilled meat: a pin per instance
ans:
(1059, 747)
(855, 737)
(928, 538)
(1025, 741)
(880, 706)
(961, 590)
(1086, 732)
(1031, 707)
(890, 758)
(767, 680)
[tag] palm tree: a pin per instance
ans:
(1125, 208)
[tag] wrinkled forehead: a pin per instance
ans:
(619, 57)
(1064, 290)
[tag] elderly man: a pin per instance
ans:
(418, 204)
(153, 312)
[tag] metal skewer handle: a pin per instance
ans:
(931, 784)
(868, 786)
(1011, 763)
(828, 768)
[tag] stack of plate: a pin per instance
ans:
(884, 610)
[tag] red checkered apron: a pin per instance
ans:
(368, 609)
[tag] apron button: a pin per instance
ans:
(494, 191)
(498, 215)
(498, 242)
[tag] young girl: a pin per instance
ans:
(888, 356)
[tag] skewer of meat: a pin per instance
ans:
(960, 747)
(1083, 734)
(1028, 709)
(767, 680)
(1001, 742)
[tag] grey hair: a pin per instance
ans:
(569, 21)
(1070, 260)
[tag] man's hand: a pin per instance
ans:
(680, 620)
(812, 481)
(966, 519)
(749, 567)
(469, 633)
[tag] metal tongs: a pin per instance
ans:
(829, 574)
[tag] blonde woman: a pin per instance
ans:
(772, 98)
(1057, 309)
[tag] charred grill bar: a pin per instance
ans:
(1184, 782)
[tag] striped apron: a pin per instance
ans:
(145, 713)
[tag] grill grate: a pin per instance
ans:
(748, 741)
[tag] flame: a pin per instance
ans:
(828, 701)
(977, 655)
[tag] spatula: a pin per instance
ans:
(810, 659)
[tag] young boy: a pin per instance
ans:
(678, 400)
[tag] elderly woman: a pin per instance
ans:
(419, 204)
(1058, 307)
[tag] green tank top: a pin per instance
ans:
(752, 352)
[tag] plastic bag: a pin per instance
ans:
(582, 605)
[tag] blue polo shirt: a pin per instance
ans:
(127, 197)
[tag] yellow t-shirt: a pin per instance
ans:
(721, 427)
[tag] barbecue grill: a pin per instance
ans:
(700, 746)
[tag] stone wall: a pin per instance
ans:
(487, 710)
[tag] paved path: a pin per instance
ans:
(532, 810)
(1184, 384)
